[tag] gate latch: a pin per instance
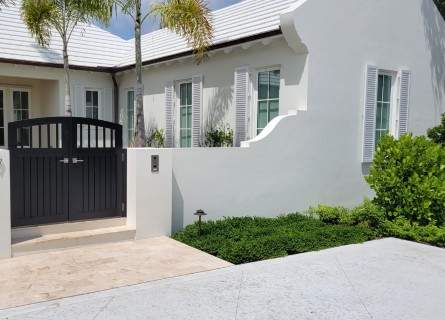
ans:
(75, 160)
(65, 160)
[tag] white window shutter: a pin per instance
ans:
(196, 110)
(370, 113)
(241, 100)
(107, 104)
(169, 106)
(405, 78)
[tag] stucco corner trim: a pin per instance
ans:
(289, 29)
(271, 126)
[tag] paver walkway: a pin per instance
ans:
(63, 273)
(385, 280)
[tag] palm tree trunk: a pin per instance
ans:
(66, 67)
(140, 123)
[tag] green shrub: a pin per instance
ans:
(241, 240)
(219, 137)
(404, 229)
(368, 214)
(328, 214)
(437, 134)
(408, 177)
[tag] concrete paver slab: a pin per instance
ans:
(387, 279)
(63, 273)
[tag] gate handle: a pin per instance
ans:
(65, 160)
(75, 160)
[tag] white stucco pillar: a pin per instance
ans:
(5, 205)
(149, 193)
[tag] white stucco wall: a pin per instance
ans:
(281, 173)
(5, 206)
(392, 35)
(218, 80)
(285, 172)
(149, 195)
(315, 157)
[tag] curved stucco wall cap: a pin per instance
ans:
(290, 32)
(274, 126)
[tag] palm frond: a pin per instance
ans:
(6, 2)
(92, 10)
(37, 16)
(191, 19)
(126, 6)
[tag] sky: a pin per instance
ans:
(122, 25)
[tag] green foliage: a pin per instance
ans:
(437, 134)
(408, 177)
(404, 229)
(43, 16)
(219, 137)
(190, 19)
(372, 217)
(155, 138)
(367, 214)
(241, 240)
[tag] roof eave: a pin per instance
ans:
(56, 65)
(190, 53)
(147, 62)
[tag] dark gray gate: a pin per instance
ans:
(65, 169)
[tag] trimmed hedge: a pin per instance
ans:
(241, 240)
(373, 217)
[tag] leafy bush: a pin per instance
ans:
(408, 177)
(241, 240)
(219, 137)
(404, 229)
(328, 214)
(437, 134)
(367, 214)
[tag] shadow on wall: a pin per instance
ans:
(178, 207)
(435, 37)
(218, 106)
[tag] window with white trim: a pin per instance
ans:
(383, 106)
(268, 97)
(130, 115)
(21, 107)
(386, 110)
(185, 114)
(92, 104)
(2, 119)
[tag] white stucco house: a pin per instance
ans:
(268, 58)
(308, 86)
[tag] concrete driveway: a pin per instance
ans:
(386, 279)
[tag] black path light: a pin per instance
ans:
(199, 213)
